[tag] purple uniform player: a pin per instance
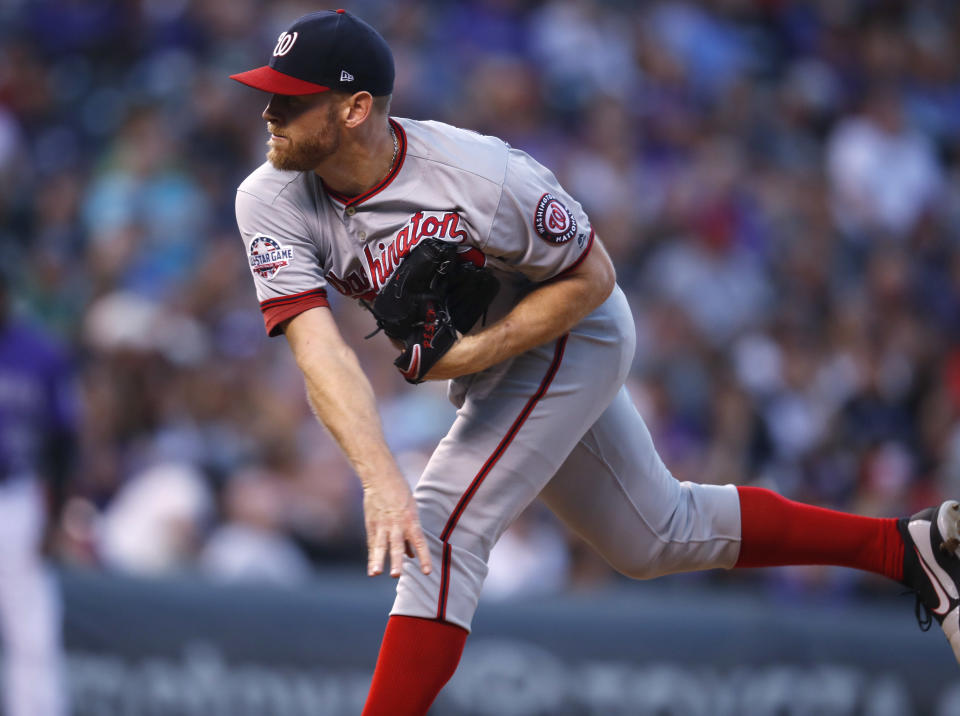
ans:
(37, 424)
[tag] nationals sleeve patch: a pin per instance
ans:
(553, 221)
(268, 256)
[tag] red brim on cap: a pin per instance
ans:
(269, 80)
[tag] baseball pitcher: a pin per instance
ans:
(484, 271)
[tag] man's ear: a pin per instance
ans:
(357, 108)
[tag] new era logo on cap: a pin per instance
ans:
(310, 57)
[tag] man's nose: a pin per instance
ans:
(271, 112)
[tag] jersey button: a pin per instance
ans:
(350, 211)
(363, 234)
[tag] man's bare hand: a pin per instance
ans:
(393, 526)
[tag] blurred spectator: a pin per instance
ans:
(884, 173)
(529, 560)
(155, 523)
(249, 545)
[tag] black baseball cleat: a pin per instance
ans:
(931, 567)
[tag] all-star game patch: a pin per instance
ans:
(553, 221)
(267, 256)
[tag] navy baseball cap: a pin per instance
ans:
(323, 51)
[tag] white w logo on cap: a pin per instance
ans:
(284, 43)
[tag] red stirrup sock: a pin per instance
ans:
(417, 657)
(776, 531)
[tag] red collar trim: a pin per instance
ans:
(385, 182)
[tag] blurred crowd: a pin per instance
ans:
(776, 180)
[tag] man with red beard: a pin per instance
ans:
(346, 193)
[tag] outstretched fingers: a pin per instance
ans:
(420, 548)
(395, 533)
(377, 550)
(396, 551)
(409, 540)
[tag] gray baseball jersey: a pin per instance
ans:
(555, 421)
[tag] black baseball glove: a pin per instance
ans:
(432, 297)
